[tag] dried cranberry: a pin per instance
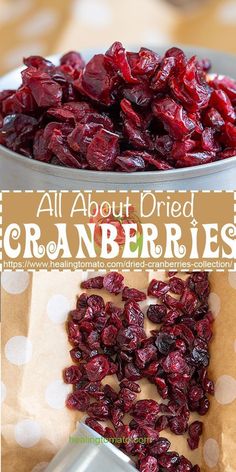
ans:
(149, 464)
(97, 368)
(78, 400)
(96, 303)
(132, 314)
(156, 313)
(111, 340)
(194, 431)
(103, 150)
(99, 410)
(108, 335)
(95, 282)
(142, 408)
(160, 446)
(127, 339)
(175, 363)
(95, 426)
(133, 294)
(164, 342)
(176, 285)
(157, 288)
(72, 374)
(113, 282)
(178, 425)
(145, 355)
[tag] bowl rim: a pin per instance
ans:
(116, 177)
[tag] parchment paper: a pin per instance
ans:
(32, 313)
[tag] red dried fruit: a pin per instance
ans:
(175, 363)
(178, 425)
(96, 303)
(108, 335)
(110, 340)
(149, 464)
(95, 282)
(127, 339)
(46, 92)
(160, 446)
(156, 313)
(184, 465)
(168, 460)
(113, 282)
(132, 314)
(118, 59)
(97, 368)
(99, 410)
(72, 374)
(131, 161)
(157, 288)
(176, 285)
(144, 408)
(164, 342)
(174, 118)
(222, 103)
(103, 150)
(93, 424)
(145, 355)
(134, 387)
(73, 59)
(149, 112)
(133, 294)
(78, 400)
(194, 431)
(98, 80)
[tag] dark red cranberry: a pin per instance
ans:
(149, 464)
(78, 400)
(133, 294)
(97, 368)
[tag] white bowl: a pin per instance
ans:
(20, 173)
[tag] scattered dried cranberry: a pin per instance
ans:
(95, 282)
(109, 340)
(122, 111)
(113, 282)
(133, 294)
(97, 368)
(149, 464)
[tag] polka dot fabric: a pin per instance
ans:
(35, 350)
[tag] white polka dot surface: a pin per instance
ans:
(57, 308)
(40, 467)
(27, 433)
(214, 303)
(3, 392)
(18, 350)
(15, 282)
(93, 13)
(211, 452)
(225, 389)
(226, 13)
(56, 393)
(232, 279)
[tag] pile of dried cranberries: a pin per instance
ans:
(123, 111)
(174, 357)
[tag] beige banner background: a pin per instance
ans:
(209, 207)
(35, 307)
